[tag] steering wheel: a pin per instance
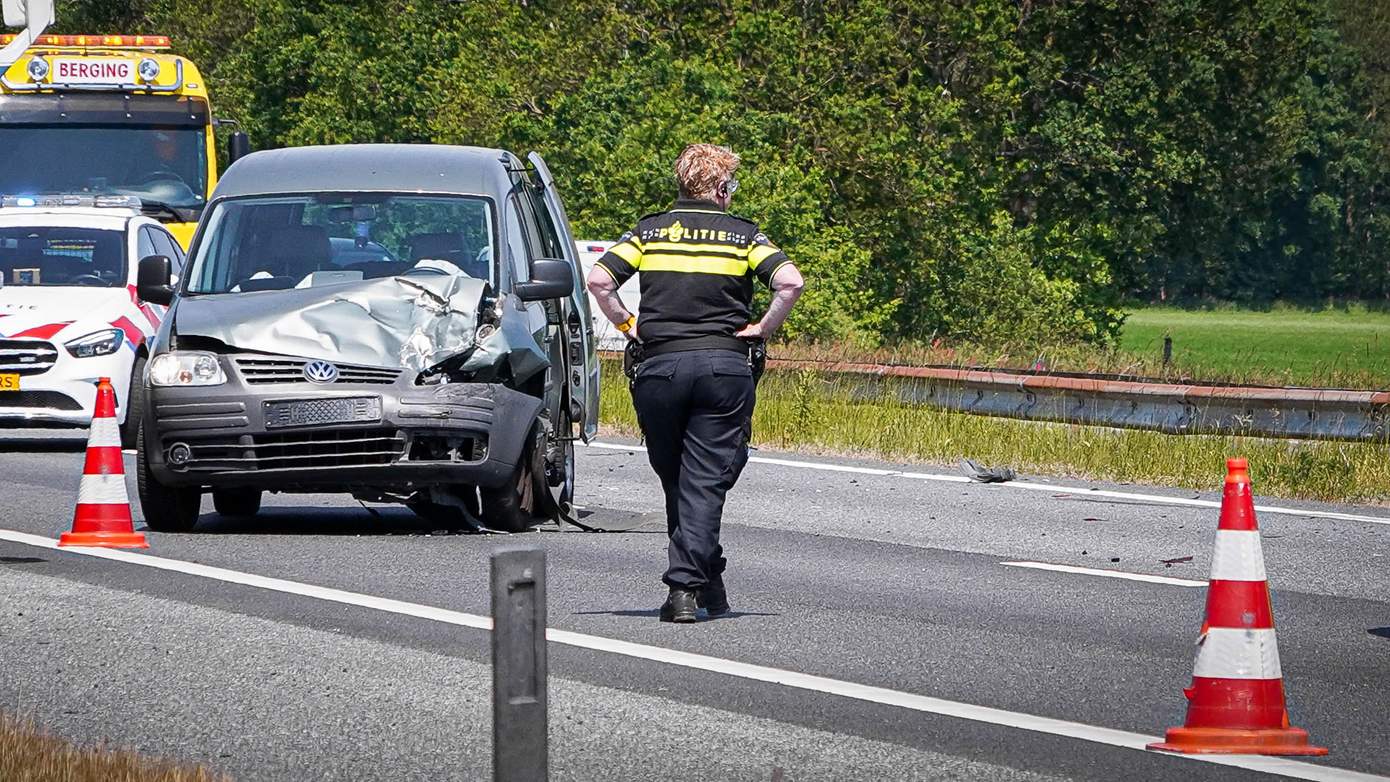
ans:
(160, 175)
(425, 270)
(88, 279)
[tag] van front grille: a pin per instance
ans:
(310, 449)
(261, 370)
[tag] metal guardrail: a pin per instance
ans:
(1132, 403)
(1304, 413)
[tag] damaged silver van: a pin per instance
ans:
(403, 323)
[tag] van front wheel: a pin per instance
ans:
(166, 508)
(515, 505)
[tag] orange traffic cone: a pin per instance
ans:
(1236, 701)
(103, 508)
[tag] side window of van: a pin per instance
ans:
(523, 238)
(549, 234)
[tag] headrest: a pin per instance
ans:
(296, 250)
(438, 246)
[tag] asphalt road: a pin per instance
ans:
(864, 573)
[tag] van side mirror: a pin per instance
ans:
(152, 280)
(238, 146)
(551, 278)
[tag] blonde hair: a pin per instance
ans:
(702, 168)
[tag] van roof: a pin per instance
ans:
(425, 168)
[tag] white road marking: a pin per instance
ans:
(802, 681)
(1080, 493)
(1086, 571)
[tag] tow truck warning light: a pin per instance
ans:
(68, 199)
(94, 41)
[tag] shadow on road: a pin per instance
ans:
(21, 560)
(1382, 632)
(390, 520)
(320, 521)
(42, 445)
(653, 612)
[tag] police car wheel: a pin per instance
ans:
(166, 508)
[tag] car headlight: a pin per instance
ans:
(186, 368)
(98, 343)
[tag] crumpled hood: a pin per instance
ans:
(411, 321)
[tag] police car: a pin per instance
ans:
(606, 335)
(69, 313)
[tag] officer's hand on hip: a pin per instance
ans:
(751, 331)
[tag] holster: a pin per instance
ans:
(757, 358)
(633, 355)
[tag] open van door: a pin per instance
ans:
(583, 380)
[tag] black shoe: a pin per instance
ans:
(679, 606)
(713, 598)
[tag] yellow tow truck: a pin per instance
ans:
(111, 115)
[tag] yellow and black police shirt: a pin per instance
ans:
(697, 263)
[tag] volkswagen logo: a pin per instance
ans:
(320, 372)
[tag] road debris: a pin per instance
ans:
(978, 472)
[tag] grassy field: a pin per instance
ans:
(1285, 346)
(809, 411)
(27, 754)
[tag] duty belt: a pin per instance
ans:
(755, 349)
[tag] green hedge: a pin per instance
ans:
(995, 171)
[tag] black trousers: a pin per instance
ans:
(695, 409)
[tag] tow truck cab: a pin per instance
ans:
(111, 115)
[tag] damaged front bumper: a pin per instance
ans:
(374, 430)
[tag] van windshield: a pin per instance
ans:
(270, 243)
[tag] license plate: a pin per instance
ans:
(9, 381)
(90, 70)
(310, 412)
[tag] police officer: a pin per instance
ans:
(693, 389)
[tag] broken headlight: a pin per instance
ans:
(186, 368)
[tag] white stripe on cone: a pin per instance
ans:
(1227, 653)
(105, 432)
(102, 490)
(1237, 556)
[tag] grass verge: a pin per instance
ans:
(809, 411)
(28, 754)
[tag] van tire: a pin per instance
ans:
(166, 508)
(515, 506)
(134, 406)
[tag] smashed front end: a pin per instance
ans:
(380, 387)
